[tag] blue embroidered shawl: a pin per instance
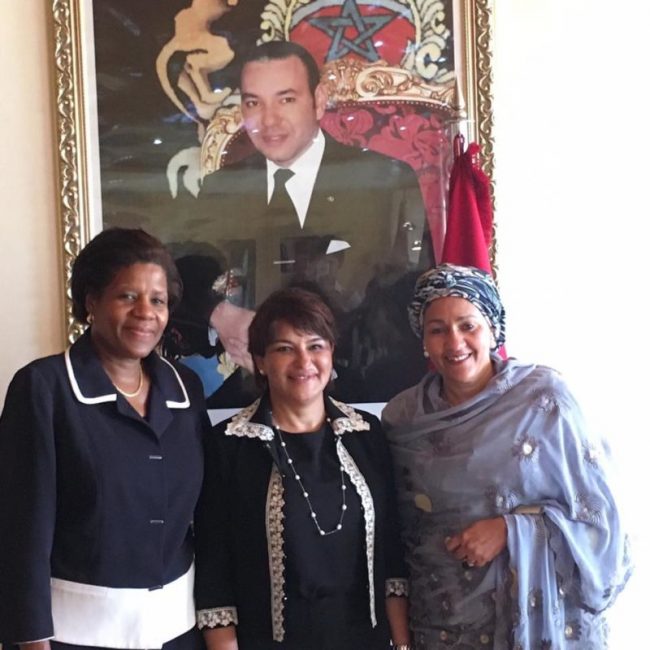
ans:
(519, 449)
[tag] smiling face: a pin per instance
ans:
(297, 365)
(131, 313)
(280, 113)
(458, 339)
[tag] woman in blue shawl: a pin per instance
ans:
(512, 532)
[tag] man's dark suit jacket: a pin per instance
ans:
(358, 249)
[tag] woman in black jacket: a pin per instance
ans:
(297, 538)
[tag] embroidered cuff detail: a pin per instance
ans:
(218, 617)
(397, 587)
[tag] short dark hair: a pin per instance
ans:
(111, 251)
(277, 50)
(303, 310)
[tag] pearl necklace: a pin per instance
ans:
(304, 492)
(137, 390)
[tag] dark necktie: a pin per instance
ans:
(281, 210)
(281, 224)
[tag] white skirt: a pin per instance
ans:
(122, 618)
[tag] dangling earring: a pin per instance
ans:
(89, 319)
(426, 354)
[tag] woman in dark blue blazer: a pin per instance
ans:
(101, 466)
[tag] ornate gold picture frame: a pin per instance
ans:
(151, 136)
(466, 94)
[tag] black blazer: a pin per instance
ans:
(364, 210)
(85, 483)
(237, 577)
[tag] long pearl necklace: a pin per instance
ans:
(136, 391)
(304, 492)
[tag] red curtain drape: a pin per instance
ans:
(469, 211)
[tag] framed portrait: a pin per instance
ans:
(163, 125)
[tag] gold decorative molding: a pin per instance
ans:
(483, 67)
(71, 147)
(275, 19)
(477, 18)
(349, 80)
(222, 128)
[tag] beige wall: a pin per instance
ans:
(572, 179)
(30, 325)
(572, 210)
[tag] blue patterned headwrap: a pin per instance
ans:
(467, 282)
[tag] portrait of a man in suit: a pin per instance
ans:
(305, 210)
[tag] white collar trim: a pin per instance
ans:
(186, 400)
(112, 397)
